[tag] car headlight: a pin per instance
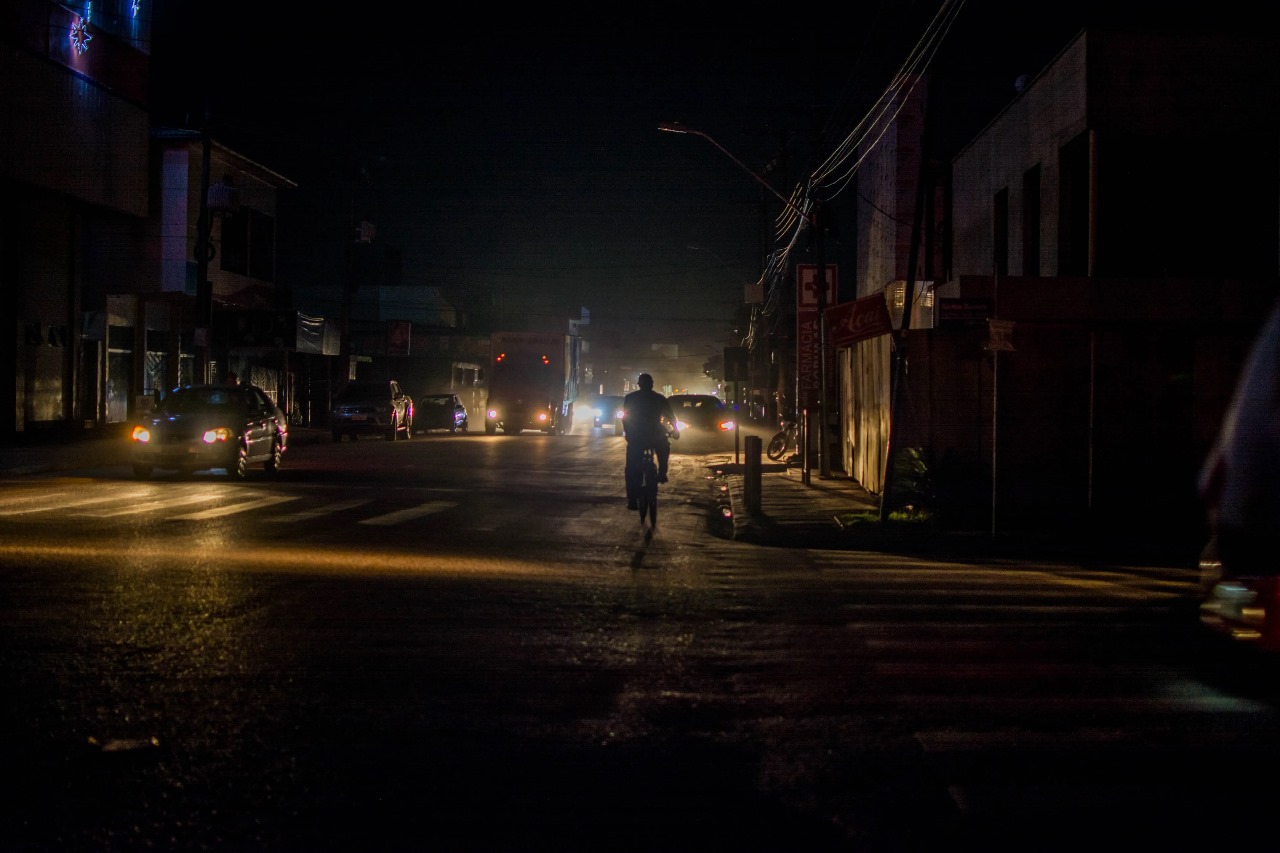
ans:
(681, 425)
(492, 414)
(213, 436)
(726, 425)
(140, 434)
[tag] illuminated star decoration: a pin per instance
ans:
(80, 37)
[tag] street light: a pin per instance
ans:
(824, 452)
(677, 127)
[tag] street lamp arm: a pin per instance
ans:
(676, 127)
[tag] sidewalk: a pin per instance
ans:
(836, 512)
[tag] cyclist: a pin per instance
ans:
(646, 418)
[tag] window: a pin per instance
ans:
(1000, 234)
(1031, 221)
(248, 244)
(1073, 207)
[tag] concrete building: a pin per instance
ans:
(99, 267)
(1114, 245)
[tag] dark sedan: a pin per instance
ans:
(606, 411)
(440, 411)
(703, 420)
(210, 427)
(378, 407)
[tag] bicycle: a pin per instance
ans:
(647, 496)
(647, 492)
(787, 438)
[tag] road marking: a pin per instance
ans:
(25, 500)
(327, 509)
(428, 508)
(232, 509)
(50, 505)
(148, 506)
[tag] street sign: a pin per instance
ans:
(999, 336)
(808, 332)
(735, 364)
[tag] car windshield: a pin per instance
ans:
(364, 391)
(438, 401)
(199, 399)
(703, 403)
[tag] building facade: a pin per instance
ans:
(1115, 244)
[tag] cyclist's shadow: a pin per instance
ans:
(642, 551)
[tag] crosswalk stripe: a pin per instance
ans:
(412, 512)
(232, 509)
(49, 505)
(148, 506)
(337, 506)
(25, 500)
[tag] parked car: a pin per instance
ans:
(372, 408)
(703, 420)
(440, 411)
(209, 427)
(1240, 564)
(606, 411)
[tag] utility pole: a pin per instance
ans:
(204, 254)
(900, 368)
(819, 257)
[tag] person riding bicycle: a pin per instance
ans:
(646, 422)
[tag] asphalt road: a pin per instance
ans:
(466, 643)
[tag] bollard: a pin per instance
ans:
(804, 446)
(751, 474)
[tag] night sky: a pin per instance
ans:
(514, 155)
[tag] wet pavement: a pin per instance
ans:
(795, 510)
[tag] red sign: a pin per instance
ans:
(808, 339)
(858, 320)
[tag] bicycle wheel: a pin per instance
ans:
(649, 493)
(777, 446)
